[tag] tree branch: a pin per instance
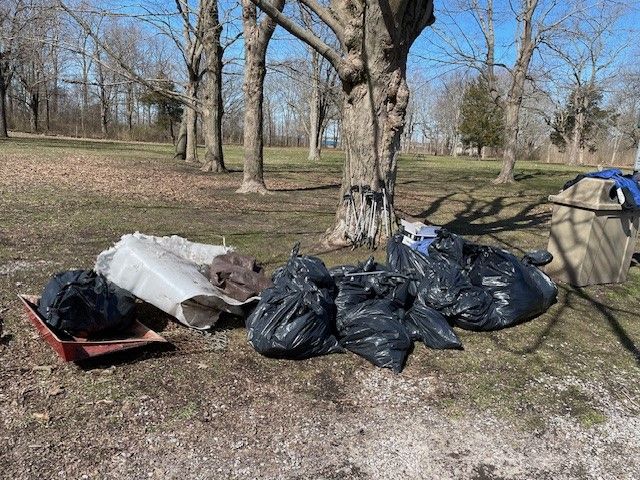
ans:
(127, 71)
(327, 17)
(332, 55)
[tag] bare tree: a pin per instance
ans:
(587, 58)
(626, 102)
(256, 40)
(374, 38)
(193, 39)
(212, 102)
(535, 23)
(322, 98)
(322, 81)
(104, 89)
(186, 147)
(14, 15)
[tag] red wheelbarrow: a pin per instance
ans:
(71, 348)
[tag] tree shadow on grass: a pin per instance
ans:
(609, 314)
(481, 217)
(574, 298)
(331, 186)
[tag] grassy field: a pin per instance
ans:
(558, 397)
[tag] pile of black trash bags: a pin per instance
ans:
(377, 311)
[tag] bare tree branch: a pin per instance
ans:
(332, 55)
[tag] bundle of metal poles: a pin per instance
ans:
(368, 213)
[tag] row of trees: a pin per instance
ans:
(366, 44)
(534, 78)
(199, 71)
(87, 71)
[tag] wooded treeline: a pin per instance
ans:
(57, 79)
(532, 79)
(107, 75)
(565, 86)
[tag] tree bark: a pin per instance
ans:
(253, 175)
(129, 107)
(192, 138)
(512, 113)
(181, 143)
(213, 105)
(516, 91)
(616, 145)
(315, 122)
(256, 40)
(103, 95)
(191, 123)
(84, 105)
(375, 102)
(3, 105)
(34, 108)
(575, 140)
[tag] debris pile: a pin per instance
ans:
(86, 313)
(371, 309)
(377, 311)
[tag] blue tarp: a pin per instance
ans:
(624, 182)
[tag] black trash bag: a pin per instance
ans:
(350, 293)
(473, 310)
(293, 323)
(426, 324)
(404, 260)
(447, 247)
(519, 291)
(368, 281)
(441, 285)
(374, 330)
(85, 304)
(538, 258)
(301, 270)
(447, 289)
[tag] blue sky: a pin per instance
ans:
(428, 54)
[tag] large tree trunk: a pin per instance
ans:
(84, 105)
(375, 38)
(34, 108)
(256, 40)
(372, 122)
(375, 102)
(129, 107)
(104, 116)
(512, 113)
(181, 143)
(103, 96)
(192, 135)
(4, 127)
(253, 175)
(315, 122)
(574, 146)
(47, 111)
(191, 121)
(516, 92)
(213, 105)
(616, 145)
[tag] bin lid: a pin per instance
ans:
(590, 194)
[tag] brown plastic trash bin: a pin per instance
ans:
(592, 238)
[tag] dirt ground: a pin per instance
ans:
(555, 398)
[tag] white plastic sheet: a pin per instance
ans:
(163, 271)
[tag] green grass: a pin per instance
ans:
(526, 373)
